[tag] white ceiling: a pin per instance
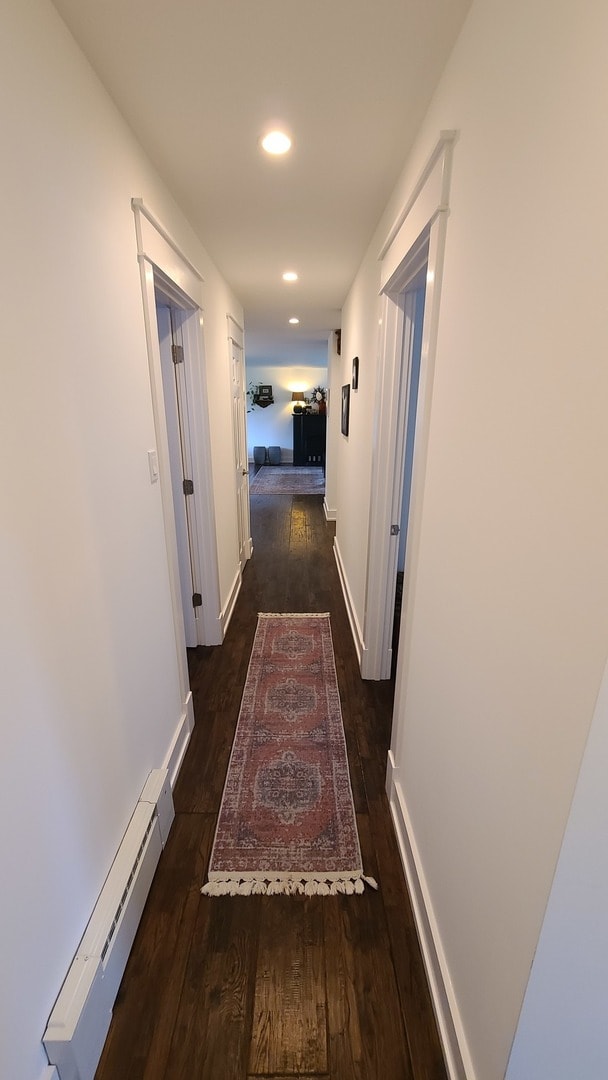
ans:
(199, 81)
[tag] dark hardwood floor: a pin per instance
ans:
(236, 988)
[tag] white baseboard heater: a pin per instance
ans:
(79, 1022)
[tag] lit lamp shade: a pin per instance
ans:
(297, 397)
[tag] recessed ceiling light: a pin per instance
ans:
(276, 142)
(290, 275)
(294, 321)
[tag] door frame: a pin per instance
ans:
(422, 222)
(163, 264)
(236, 341)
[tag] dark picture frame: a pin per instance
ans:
(344, 422)
(355, 380)
(264, 391)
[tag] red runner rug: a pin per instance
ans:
(287, 820)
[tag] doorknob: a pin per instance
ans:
(245, 471)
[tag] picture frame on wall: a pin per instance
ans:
(355, 379)
(345, 409)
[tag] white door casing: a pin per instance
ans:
(239, 438)
(417, 237)
(163, 266)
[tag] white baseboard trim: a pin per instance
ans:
(235, 589)
(350, 607)
(179, 743)
(330, 515)
(50, 1073)
(456, 1053)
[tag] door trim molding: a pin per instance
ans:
(141, 210)
(423, 188)
(160, 257)
(236, 347)
(422, 221)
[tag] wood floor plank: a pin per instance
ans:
(289, 1013)
(213, 1024)
(201, 781)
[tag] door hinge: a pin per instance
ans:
(188, 487)
(394, 530)
(177, 352)
(197, 600)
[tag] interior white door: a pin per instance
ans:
(239, 434)
(175, 435)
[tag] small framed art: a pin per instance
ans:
(355, 379)
(345, 408)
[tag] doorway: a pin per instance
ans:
(239, 439)
(172, 298)
(411, 356)
(403, 323)
(169, 320)
(411, 270)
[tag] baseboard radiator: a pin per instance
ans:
(79, 1022)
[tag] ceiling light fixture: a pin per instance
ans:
(276, 142)
(294, 321)
(290, 275)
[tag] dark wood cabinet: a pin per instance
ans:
(309, 438)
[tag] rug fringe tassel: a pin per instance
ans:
(294, 614)
(288, 886)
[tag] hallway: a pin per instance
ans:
(244, 987)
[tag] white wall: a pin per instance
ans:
(273, 425)
(334, 374)
(562, 1029)
(509, 621)
(360, 337)
(90, 692)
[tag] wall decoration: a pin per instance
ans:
(317, 400)
(345, 408)
(259, 394)
(355, 382)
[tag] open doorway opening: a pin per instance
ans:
(403, 319)
(410, 276)
(239, 438)
(172, 299)
(411, 355)
(169, 320)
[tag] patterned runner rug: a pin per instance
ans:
(287, 820)
(288, 480)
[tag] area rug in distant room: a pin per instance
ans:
(288, 480)
(287, 820)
